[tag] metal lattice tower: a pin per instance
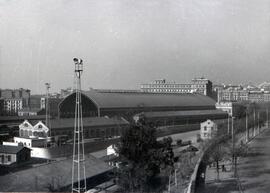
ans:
(47, 106)
(78, 165)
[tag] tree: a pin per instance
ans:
(142, 158)
(216, 152)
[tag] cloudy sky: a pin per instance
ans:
(128, 42)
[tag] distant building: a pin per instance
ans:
(13, 105)
(13, 154)
(229, 107)
(30, 112)
(65, 92)
(36, 101)
(14, 100)
(236, 95)
(208, 129)
(197, 85)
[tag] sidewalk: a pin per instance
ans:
(226, 183)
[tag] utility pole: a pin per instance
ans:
(228, 124)
(267, 118)
(48, 86)
(233, 156)
(78, 164)
(259, 129)
(247, 131)
(254, 128)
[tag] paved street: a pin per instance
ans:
(254, 170)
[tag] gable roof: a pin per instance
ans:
(143, 99)
(11, 149)
(87, 122)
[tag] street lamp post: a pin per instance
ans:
(254, 128)
(228, 124)
(233, 147)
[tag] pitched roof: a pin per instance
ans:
(87, 122)
(183, 113)
(143, 99)
(10, 149)
(38, 178)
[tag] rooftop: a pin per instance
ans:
(10, 149)
(184, 113)
(38, 178)
(87, 122)
(143, 99)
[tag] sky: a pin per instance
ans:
(124, 43)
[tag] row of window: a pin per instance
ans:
(168, 90)
(5, 158)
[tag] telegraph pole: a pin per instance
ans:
(78, 165)
(228, 124)
(254, 129)
(48, 86)
(267, 118)
(259, 129)
(233, 156)
(247, 131)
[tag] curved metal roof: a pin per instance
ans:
(142, 99)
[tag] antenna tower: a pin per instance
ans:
(78, 165)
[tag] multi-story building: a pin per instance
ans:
(12, 105)
(230, 95)
(208, 129)
(233, 95)
(14, 100)
(197, 85)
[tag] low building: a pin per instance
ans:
(10, 154)
(30, 112)
(31, 142)
(186, 119)
(230, 107)
(208, 129)
(55, 176)
(94, 127)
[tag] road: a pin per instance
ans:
(254, 170)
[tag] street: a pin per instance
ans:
(254, 170)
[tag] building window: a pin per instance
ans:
(205, 128)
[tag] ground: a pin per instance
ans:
(253, 170)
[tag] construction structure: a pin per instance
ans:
(78, 164)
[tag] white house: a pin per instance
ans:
(208, 129)
(32, 136)
(27, 130)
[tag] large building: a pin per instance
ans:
(238, 95)
(197, 85)
(94, 127)
(127, 104)
(14, 100)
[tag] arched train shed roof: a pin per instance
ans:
(142, 99)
